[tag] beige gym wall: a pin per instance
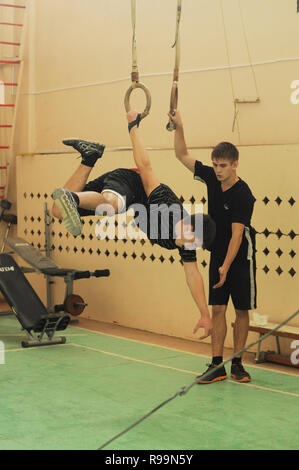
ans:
(77, 69)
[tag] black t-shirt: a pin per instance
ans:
(225, 207)
(164, 210)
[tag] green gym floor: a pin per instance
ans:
(78, 395)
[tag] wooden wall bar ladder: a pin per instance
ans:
(13, 19)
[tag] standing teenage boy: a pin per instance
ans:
(232, 262)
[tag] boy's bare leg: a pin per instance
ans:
(92, 200)
(240, 336)
(241, 329)
(219, 329)
(87, 199)
(66, 199)
(79, 179)
(90, 153)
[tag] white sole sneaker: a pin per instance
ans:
(68, 208)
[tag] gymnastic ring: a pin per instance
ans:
(147, 95)
(173, 105)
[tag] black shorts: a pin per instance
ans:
(123, 181)
(240, 283)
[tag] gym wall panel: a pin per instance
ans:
(81, 58)
(76, 72)
(147, 289)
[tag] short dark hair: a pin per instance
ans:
(226, 150)
(204, 227)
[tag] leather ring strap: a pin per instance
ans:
(174, 90)
(135, 73)
(173, 105)
(134, 123)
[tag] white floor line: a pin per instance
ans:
(293, 374)
(255, 366)
(267, 389)
(133, 359)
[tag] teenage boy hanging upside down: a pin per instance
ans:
(118, 190)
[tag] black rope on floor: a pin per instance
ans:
(185, 390)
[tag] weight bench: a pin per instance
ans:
(286, 331)
(73, 304)
(28, 308)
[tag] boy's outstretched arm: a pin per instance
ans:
(141, 157)
(180, 147)
(196, 286)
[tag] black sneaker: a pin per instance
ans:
(238, 373)
(69, 211)
(211, 375)
(90, 151)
